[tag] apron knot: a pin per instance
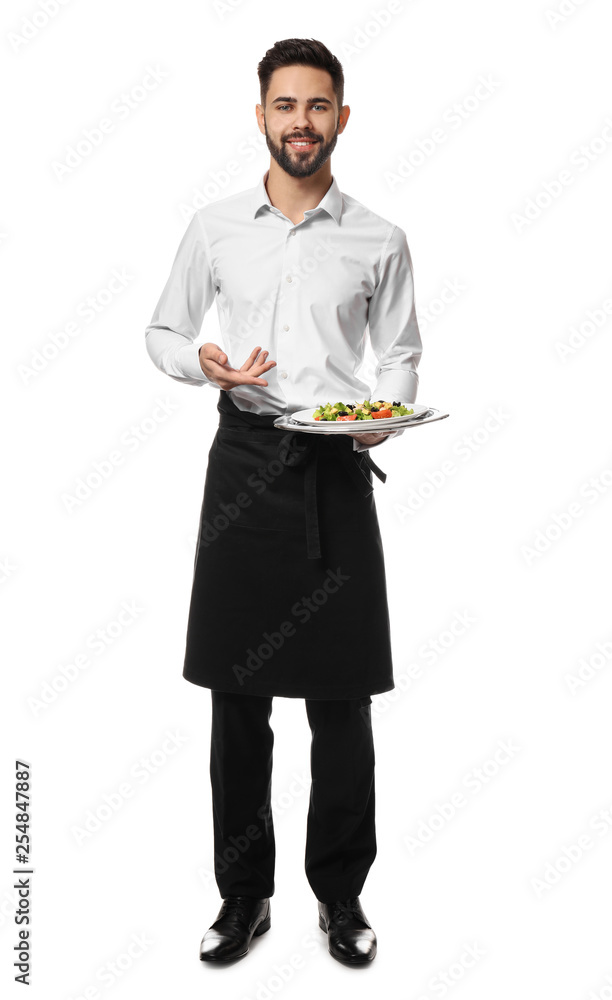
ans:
(293, 449)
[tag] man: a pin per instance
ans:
(289, 593)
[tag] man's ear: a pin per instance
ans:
(343, 116)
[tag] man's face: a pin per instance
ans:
(301, 106)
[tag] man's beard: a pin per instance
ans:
(298, 165)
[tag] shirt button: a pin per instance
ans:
(292, 233)
(284, 374)
(289, 278)
(285, 327)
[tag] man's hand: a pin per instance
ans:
(213, 362)
(373, 438)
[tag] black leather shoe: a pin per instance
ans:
(239, 919)
(350, 937)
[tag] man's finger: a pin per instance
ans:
(370, 437)
(212, 352)
(250, 361)
(264, 366)
(218, 368)
(234, 376)
(241, 378)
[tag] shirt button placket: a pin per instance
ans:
(287, 304)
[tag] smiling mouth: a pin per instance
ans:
(301, 143)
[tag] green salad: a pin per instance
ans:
(361, 411)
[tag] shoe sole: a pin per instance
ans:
(260, 929)
(340, 958)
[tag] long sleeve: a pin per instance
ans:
(394, 330)
(177, 320)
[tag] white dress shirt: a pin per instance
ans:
(308, 293)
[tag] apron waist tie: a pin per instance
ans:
(293, 451)
(373, 466)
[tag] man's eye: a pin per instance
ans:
(281, 106)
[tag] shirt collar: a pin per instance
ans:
(331, 202)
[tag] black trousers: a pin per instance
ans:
(340, 832)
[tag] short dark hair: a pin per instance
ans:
(300, 52)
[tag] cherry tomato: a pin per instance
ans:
(382, 413)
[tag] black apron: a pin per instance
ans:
(289, 592)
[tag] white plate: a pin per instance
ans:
(328, 427)
(382, 423)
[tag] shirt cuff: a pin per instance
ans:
(187, 362)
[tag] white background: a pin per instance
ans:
(487, 541)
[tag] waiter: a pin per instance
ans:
(289, 592)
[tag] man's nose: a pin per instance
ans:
(302, 120)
